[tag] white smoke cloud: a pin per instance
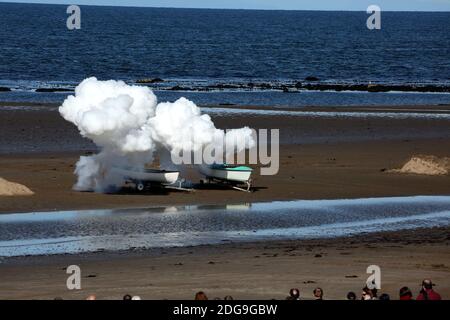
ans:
(129, 126)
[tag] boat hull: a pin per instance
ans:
(225, 175)
(149, 175)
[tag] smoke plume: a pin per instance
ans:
(130, 127)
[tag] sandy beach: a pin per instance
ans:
(263, 270)
(320, 158)
(341, 157)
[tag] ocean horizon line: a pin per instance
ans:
(218, 9)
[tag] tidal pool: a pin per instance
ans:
(45, 233)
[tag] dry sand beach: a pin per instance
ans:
(321, 157)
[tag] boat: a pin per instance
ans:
(227, 172)
(146, 177)
(232, 175)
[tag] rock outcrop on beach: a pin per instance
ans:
(426, 165)
(8, 188)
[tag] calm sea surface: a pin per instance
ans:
(215, 56)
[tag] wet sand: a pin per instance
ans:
(341, 158)
(37, 128)
(355, 170)
(263, 270)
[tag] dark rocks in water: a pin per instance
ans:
(372, 87)
(356, 87)
(407, 88)
(378, 88)
(320, 87)
(297, 87)
(265, 86)
(431, 88)
(151, 80)
(224, 86)
(311, 78)
(4, 89)
(53, 90)
(179, 88)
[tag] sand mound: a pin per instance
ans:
(428, 165)
(8, 188)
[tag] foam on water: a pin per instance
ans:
(328, 114)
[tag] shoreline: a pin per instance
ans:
(355, 108)
(202, 202)
(435, 235)
(310, 83)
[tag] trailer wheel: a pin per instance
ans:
(140, 186)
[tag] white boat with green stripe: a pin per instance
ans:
(232, 175)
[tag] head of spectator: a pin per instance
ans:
(228, 298)
(427, 292)
(136, 298)
(91, 297)
(366, 294)
(294, 294)
(405, 294)
(427, 284)
(351, 296)
(373, 291)
(127, 297)
(385, 296)
(318, 293)
(201, 296)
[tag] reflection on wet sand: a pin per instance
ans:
(124, 229)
